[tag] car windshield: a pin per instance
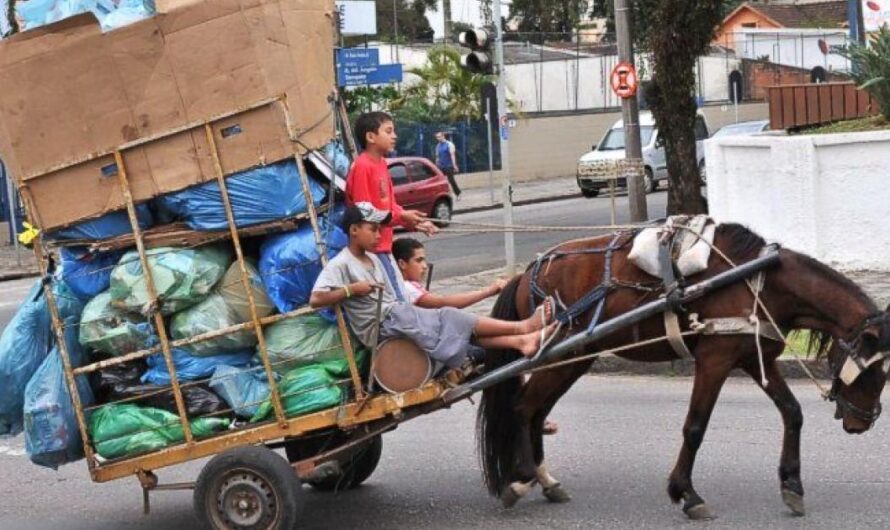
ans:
(741, 128)
(615, 139)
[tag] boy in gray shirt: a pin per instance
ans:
(352, 277)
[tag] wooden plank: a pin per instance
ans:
(787, 107)
(850, 107)
(800, 106)
(824, 103)
(837, 102)
(813, 109)
(774, 98)
(863, 99)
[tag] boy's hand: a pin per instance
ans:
(363, 288)
(427, 227)
(412, 218)
(497, 286)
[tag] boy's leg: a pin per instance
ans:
(492, 327)
(527, 344)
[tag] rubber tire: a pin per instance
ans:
(442, 222)
(275, 471)
(355, 471)
(590, 194)
(649, 184)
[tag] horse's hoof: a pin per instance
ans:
(509, 498)
(699, 512)
(794, 501)
(557, 494)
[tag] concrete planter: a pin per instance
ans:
(825, 195)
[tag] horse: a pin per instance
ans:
(799, 293)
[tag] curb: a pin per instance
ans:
(526, 202)
(17, 275)
(611, 365)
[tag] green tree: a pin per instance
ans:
(871, 67)
(411, 18)
(444, 90)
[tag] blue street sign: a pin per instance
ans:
(349, 57)
(370, 75)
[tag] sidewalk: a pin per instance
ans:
(16, 264)
(478, 199)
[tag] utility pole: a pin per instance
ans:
(630, 113)
(446, 15)
(395, 28)
(509, 243)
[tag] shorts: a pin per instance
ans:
(444, 334)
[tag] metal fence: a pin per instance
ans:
(469, 138)
(16, 214)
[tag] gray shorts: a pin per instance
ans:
(443, 333)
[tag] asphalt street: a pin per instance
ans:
(618, 440)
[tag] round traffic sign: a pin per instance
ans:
(624, 80)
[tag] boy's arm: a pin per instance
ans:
(459, 300)
(322, 298)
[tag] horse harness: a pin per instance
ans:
(851, 366)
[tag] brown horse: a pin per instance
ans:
(800, 293)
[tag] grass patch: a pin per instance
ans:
(874, 123)
(798, 340)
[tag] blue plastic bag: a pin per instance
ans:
(244, 389)
(336, 156)
(258, 195)
(109, 225)
(110, 13)
(87, 273)
(290, 264)
(188, 367)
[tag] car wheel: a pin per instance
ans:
(590, 194)
(703, 171)
(648, 181)
(442, 213)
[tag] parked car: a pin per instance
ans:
(744, 128)
(611, 147)
(420, 185)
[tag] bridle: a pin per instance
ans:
(851, 366)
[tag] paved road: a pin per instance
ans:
(460, 254)
(11, 295)
(618, 441)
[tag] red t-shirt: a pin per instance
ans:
(369, 181)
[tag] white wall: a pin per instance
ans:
(792, 48)
(825, 195)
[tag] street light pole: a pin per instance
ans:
(509, 243)
(630, 113)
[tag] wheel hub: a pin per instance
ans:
(245, 500)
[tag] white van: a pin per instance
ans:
(611, 147)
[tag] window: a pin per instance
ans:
(701, 130)
(615, 139)
(421, 171)
(399, 174)
(749, 24)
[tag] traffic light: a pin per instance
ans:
(478, 60)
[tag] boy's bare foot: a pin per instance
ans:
(530, 343)
(542, 316)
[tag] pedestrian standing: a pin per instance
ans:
(446, 160)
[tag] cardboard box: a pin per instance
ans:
(73, 95)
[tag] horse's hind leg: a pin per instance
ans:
(710, 374)
(792, 419)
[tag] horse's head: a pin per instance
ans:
(860, 368)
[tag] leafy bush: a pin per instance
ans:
(871, 67)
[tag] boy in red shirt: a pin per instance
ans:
(369, 181)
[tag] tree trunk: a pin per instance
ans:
(446, 15)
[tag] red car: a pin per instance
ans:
(420, 185)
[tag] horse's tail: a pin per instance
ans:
(496, 422)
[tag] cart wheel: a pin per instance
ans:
(356, 470)
(248, 487)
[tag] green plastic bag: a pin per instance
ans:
(121, 430)
(304, 390)
(182, 277)
(233, 291)
(307, 340)
(109, 330)
(210, 315)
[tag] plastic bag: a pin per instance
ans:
(122, 382)
(109, 225)
(290, 264)
(304, 390)
(305, 340)
(189, 367)
(210, 315)
(336, 156)
(24, 345)
(52, 437)
(182, 277)
(258, 195)
(122, 430)
(233, 291)
(87, 273)
(110, 13)
(244, 389)
(112, 331)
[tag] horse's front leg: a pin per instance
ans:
(710, 374)
(792, 419)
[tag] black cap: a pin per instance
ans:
(364, 212)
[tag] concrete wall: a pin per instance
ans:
(824, 195)
(549, 147)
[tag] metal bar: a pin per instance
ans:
(152, 138)
(245, 280)
(633, 316)
(192, 340)
(323, 257)
(153, 296)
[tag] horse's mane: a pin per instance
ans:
(745, 243)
